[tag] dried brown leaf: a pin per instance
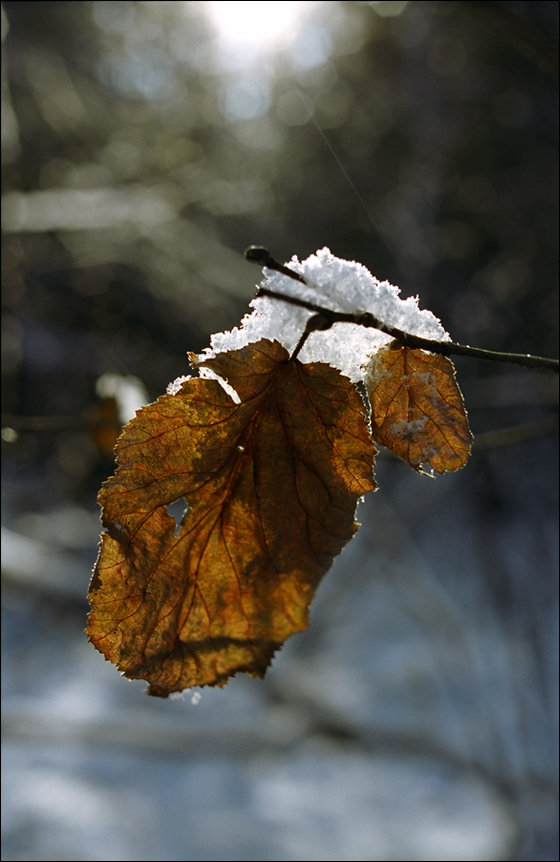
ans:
(271, 486)
(417, 408)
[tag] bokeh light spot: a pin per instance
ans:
(255, 25)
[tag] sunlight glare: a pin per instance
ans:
(254, 25)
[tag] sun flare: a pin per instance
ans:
(255, 25)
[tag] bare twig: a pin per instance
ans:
(315, 324)
(444, 348)
(515, 434)
(262, 257)
(520, 30)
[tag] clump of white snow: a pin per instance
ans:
(340, 285)
(175, 387)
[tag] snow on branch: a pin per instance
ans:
(332, 284)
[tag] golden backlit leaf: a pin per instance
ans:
(417, 409)
(271, 485)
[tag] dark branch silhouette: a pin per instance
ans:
(256, 254)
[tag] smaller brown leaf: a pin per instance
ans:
(417, 408)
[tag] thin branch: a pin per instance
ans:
(518, 29)
(497, 439)
(515, 434)
(56, 423)
(444, 348)
(261, 256)
(42, 423)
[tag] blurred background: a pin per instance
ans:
(144, 146)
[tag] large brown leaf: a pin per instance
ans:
(271, 485)
(417, 409)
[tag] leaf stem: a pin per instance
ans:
(444, 348)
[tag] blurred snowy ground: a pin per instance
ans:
(416, 719)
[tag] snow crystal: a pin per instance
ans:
(340, 285)
(211, 375)
(409, 429)
(175, 387)
(196, 696)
